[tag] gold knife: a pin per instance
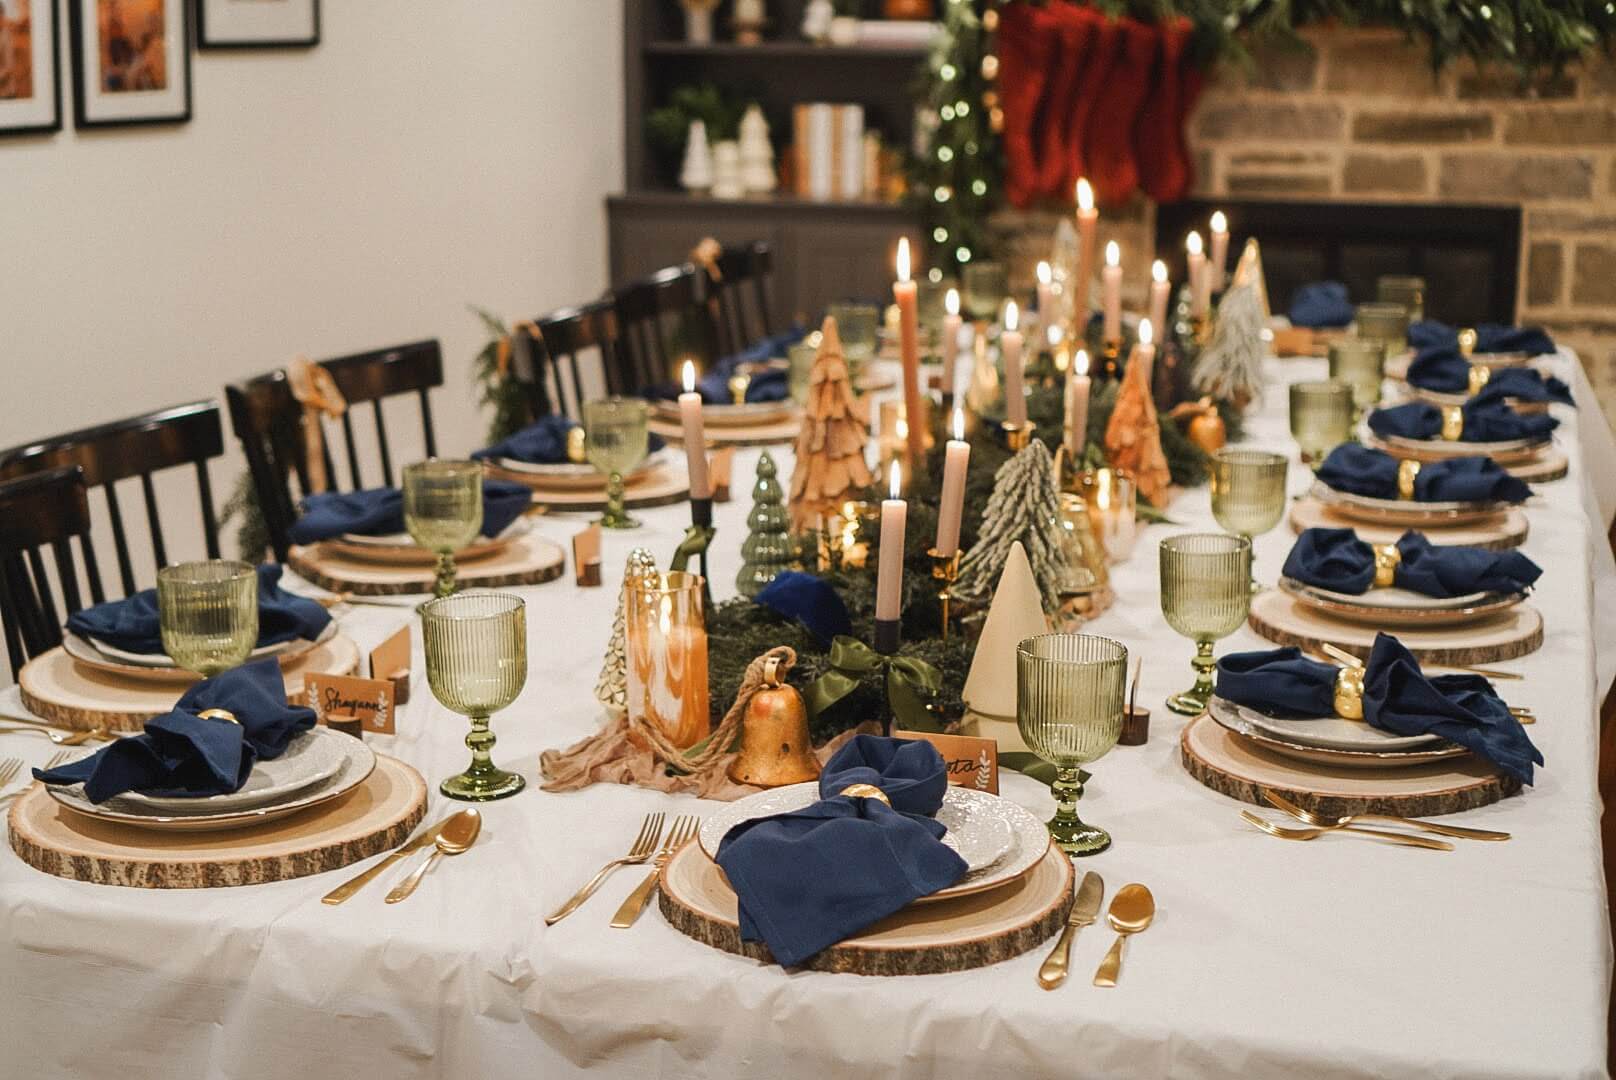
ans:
(348, 888)
(1085, 909)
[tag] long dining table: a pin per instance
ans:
(1337, 958)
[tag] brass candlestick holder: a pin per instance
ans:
(1111, 357)
(1017, 437)
(944, 569)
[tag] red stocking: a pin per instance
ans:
(1078, 32)
(1165, 171)
(1112, 168)
(1097, 66)
(1027, 46)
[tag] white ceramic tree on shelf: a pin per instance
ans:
(696, 173)
(757, 153)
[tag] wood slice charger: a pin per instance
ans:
(662, 486)
(376, 816)
(1506, 530)
(1226, 763)
(926, 939)
(1279, 618)
(527, 560)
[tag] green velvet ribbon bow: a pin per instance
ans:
(910, 683)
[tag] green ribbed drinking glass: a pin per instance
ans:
(207, 614)
(476, 664)
(1205, 595)
(1321, 417)
(1248, 490)
(1382, 321)
(1361, 364)
(1405, 289)
(443, 511)
(1069, 690)
(615, 442)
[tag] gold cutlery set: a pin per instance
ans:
(1318, 824)
(1131, 912)
(10, 767)
(25, 725)
(645, 849)
(451, 836)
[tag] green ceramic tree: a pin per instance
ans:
(768, 548)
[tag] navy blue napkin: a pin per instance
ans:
(809, 600)
(545, 443)
(768, 385)
(1523, 384)
(1321, 304)
(182, 754)
(1485, 420)
(1397, 697)
(1337, 560)
(1490, 337)
(811, 878)
(380, 512)
(1443, 370)
(132, 624)
(1440, 368)
(1361, 470)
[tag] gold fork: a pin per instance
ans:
(1326, 821)
(641, 850)
(9, 767)
(683, 829)
(1313, 834)
(60, 738)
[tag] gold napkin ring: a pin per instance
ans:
(1467, 341)
(865, 791)
(219, 714)
(1407, 472)
(1452, 422)
(1479, 374)
(1387, 560)
(577, 448)
(1349, 693)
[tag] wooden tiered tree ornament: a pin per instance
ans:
(1133, 437)
(830, 467)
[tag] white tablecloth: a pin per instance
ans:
(1267, 959)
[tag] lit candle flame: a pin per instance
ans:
(951, 301)
(1102, 493)
(903, 258)
(1080, 363)
(1192, 243)
(959, 424)
(1219, 222)
(1147, 333)
(689, 377)
(1045, 274)
(1085, 195)
(1011, 315)
(894, 476)
(1113, 253)
(1158, 271)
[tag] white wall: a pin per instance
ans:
(359, 194)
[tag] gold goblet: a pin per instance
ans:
(443, 511)
(1321, 417)
(1069, 690)
(1248, 491)
(476, 664)
(207, 614)
(615, 442)
(1205, 595)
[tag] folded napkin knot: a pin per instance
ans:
(1467, 341)
(1387, 559)
(218, 714)
(317, 391)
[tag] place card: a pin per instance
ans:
(586, 556)
(972, 762)
(719, 468)
(391, 661)
(345, 697)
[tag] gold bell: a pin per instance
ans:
(1479, 374)
(1387, 560)
(1349, 693)
(775, 748)
(1407, 472)
(1452, 423)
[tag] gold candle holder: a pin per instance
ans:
(945, 570)
(1017, 437)
(666, 642)
(1112, 502)
(1111, 358)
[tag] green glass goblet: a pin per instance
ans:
(1321, 417)
(615, 442)
(1382, 321)
(1405, 289)
(443, 511)
(1069, 690)
(207, 614)
(1205, 595)
(1361, 364)
(476, 664)
(1248, 491)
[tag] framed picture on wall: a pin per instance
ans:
(257, 24)
(131, 62)
(30, 82)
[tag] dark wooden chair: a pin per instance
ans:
(661, 320)
(269, 422)
(738, 302)
(547, 366)
(138, 447)
(40, 512)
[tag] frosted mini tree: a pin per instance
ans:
(611, 689)
(1024, 506)
(1230, 367)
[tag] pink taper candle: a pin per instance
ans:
(1077, 409)
(951, 333)
(1111, 292)
(889, 575)
(1046, 286)
(1088, 219)
(1199, 292)
(1010, 342)
(957, 458)
(1220, 251)
(904, 292)
(695, 436)
(1159, 290)
(1145, 351)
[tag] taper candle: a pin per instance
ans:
(1144, 352)
(951, 333)
(949, 511)
(889, 574)
(1077, 409)
(695, 435)
(1111, 292)
(1046, 283)
(1010, 342)
(904, 292)
(1088, 219)
(1220, 251)
(1199, 294)
(1159, 290)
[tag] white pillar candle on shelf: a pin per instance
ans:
(1088, 219)
(951, 508)
(1111, 291)
(1199, 294)
(951, 333)
(1077, 409)
(1159, 290)
(889, 575)
(904, 292)
(1015, 398)
(1220, 251)
(1046, 305)
(695, 435)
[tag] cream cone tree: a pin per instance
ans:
(1016, 614)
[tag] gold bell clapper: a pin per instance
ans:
(1387, 560)
(775, 746)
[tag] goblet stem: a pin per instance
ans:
(1070, 832)
(482, 780)
(1192, 702)
(445, 584)
(615, 516)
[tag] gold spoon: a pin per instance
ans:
(1385, 837)
(1340, 821)
(1131, 911)
(458, 834)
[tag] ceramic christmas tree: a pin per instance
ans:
(727, 170)
(1024, 511)
(830, 465)
(757, 153)
(696, 174)
(1230, 367)
(1016, 614)
(1133, 437)
(611, 689)
(768, 548)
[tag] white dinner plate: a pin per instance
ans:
(753, 412)
(1225, 715)
(90, 650)
(315, 755)
(1400, 607)
(519, 527)
(1329, 732)
(1404, 511)
(575, 476)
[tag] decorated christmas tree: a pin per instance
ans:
(830, 451)
(1024, 507)
(768, 548)
(1133, 435)
(611, 689)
